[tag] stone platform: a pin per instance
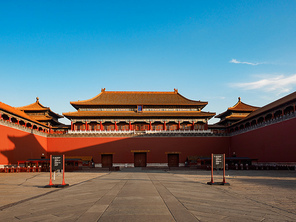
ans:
(143, 195)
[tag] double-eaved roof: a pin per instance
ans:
(41, 113)
(239, 107)
(121, 98)
(235, 113)
(37, 107)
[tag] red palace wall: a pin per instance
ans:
(122, 148)
(273, 143)
(18, 145)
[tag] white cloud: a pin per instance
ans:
(281, 84)
(248, 63)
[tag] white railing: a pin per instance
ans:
(102, 132)
(178, 131)
(140, 132)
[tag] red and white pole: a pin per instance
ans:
(212, 170)
(63, 183)
(50, 170)
(224, 168)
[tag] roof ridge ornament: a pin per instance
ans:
(175, 90)
(37, 99)
(103, 89)
(239, 99)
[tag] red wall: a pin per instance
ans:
(122, 147)
(18, 145)
(274, 143)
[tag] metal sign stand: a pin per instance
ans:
(218, 163)
(56, 165)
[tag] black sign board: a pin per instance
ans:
(218, 161)
(57, 162)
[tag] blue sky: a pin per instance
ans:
(213, 51)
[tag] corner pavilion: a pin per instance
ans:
(139, 111)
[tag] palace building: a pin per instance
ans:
(142, 129)
(232, 115)
(138, 111)
(43, 115)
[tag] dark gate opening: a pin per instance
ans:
(107, 160)
(140, 159)
(173, 160)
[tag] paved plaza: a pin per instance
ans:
(135, 194)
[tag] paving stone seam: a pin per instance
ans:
(28, 179)
(107, 191)
(153, 179)
(271, 207)
(44, 194)
(114, 195)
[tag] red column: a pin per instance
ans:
(164, 125)
(130, 125)
(206, 126)
(179, 125)
(9, 119)
(101, 125)
(71, 126)
(192, 126)
(18, 122)
(283, 112)
(2, 118)
(150, 125)
(86, 126)
(115, 126)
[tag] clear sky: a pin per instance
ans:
(213, 51)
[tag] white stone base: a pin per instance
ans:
(123, 165)
(157, 164)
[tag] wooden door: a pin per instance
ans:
(173, 160)
(107, 160)
(140, 159)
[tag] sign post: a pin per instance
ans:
(217, 162)
(57, 162)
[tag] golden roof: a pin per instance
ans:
(37, 106)
(17, 112)
(238, 107)
(138, 98)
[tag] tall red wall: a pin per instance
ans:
(122, 147)
(273, 143)
(18, 145)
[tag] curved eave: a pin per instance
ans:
(128, 114)
(130, 98)
(19, 113)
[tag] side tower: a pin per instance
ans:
(43, 115)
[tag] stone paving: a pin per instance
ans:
(134, 194)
